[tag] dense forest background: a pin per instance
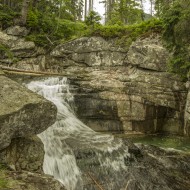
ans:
(51, 22)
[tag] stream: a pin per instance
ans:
(82, 159)
(97, 154)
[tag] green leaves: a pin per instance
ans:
(6, 51)
(92, 19)
(124, 12)
(6, 16)
(176, 33)
(131, 31)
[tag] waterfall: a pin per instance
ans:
(75, 154)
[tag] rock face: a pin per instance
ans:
(22, 113)
(17, 31)
(14, 49)
(148, 55)
(120, 90)
(115, 88)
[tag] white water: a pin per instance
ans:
(59, 159)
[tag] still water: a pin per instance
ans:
(163, 141)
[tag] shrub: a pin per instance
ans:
(176, 34)
(6, 16)
(128, 32)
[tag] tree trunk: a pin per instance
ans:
(90, 6)
(85, 10)
(34, 4)
(24, 11)
(142, 7)
(9, 3)
(79, 10)
(106, 11)
(151, 7)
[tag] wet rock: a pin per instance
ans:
(145, 167)
(22, 113)
(24, 154)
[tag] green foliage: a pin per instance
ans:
(129, 31)
(47, 28)
(3, 183)
(50, 32)
(126, 34)
(176, 34)
(50, 22)
(39, 22)
(6, 16)
(33, 19)
(68, 29)
(124, 12)
(92, 19)
(6, 51)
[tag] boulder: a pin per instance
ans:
(17, 31)
(94, 51)
(16, 48)
(148, 54)
(34, 63)
(15, 43)
(22, 113)
(24, 153)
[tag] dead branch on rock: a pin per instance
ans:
(95, 181)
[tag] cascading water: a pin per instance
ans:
(74, 154)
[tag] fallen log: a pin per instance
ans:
(95, 181)
(22, 71)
